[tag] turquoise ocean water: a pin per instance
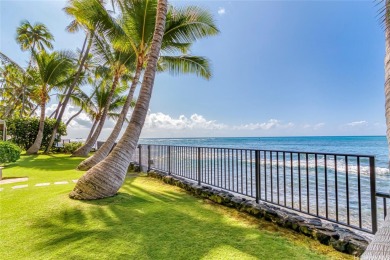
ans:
(363, 145)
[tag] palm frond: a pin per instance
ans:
(185, 64)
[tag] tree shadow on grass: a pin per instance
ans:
(142, 223)
(47, 163)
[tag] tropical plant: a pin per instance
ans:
(379, 248)
(117, 64)
(9, 152)
(16, 97)
(23, 131)
(87, 15)
(183, 27)
(32, 38)
(51, 71)
(105, 179)
(102, 104)
(71, 147)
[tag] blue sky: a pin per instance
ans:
(280, 68)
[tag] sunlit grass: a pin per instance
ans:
(146, 220)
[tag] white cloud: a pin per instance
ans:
(270, 124)
(358, 123)
(221, 11)
(163, 121)
(313, 127)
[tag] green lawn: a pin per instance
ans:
(146, 220)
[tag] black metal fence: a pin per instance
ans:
(339, 188)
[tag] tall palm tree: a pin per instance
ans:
(87, 15)
(32, 38)
(379, 248)
(100, 105)
(51, 71)
(105, 179)
(119, 64)
(183, 27)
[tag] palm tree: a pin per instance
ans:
(119, 64)
(100, 105)
(379, 248)
(51, 71)
(105, 179)
(183, 27)
(32, 37)
(87, 15)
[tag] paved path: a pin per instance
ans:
(43, 184)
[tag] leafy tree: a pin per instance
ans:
(9, 152)
(23, 131)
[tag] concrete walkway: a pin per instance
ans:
(43, 184)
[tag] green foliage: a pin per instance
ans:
(72, 147)
(24, 131)
(9, 152)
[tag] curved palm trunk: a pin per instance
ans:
(106, 178)
(107, 146)
(81, 110)
(87, 147)
(68, 94)
(71, 118)
(379, 248)
(92, 129)
(387, 81)
(38, 140)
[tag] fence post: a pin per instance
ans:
(169, 160)
(374, 216)
(257, 173)
(149, 157)
(199, 170)
(140, 157)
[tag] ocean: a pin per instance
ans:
(362, 145)
(358, 145)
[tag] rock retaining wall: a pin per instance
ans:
(341, 239)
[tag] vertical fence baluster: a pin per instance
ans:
(374, 217)
(257, 173)
(140, 158)
(148, 157)
(199, 170)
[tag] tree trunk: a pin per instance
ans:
(107, 146)
(87, 147)
(387, 79)
(81, 110)
(69, 93)
(105, 179)
(97, 119)
(38, 140)
(379, 248)
(71, 118)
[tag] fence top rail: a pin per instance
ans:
(383, 195)
(272, 151)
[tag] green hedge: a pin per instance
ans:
(23, 131)
(72, 147)
(9, 152)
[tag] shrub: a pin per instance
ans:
(9, 152)
(72, 147)
(23, 131)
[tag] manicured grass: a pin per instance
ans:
(146, 220)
